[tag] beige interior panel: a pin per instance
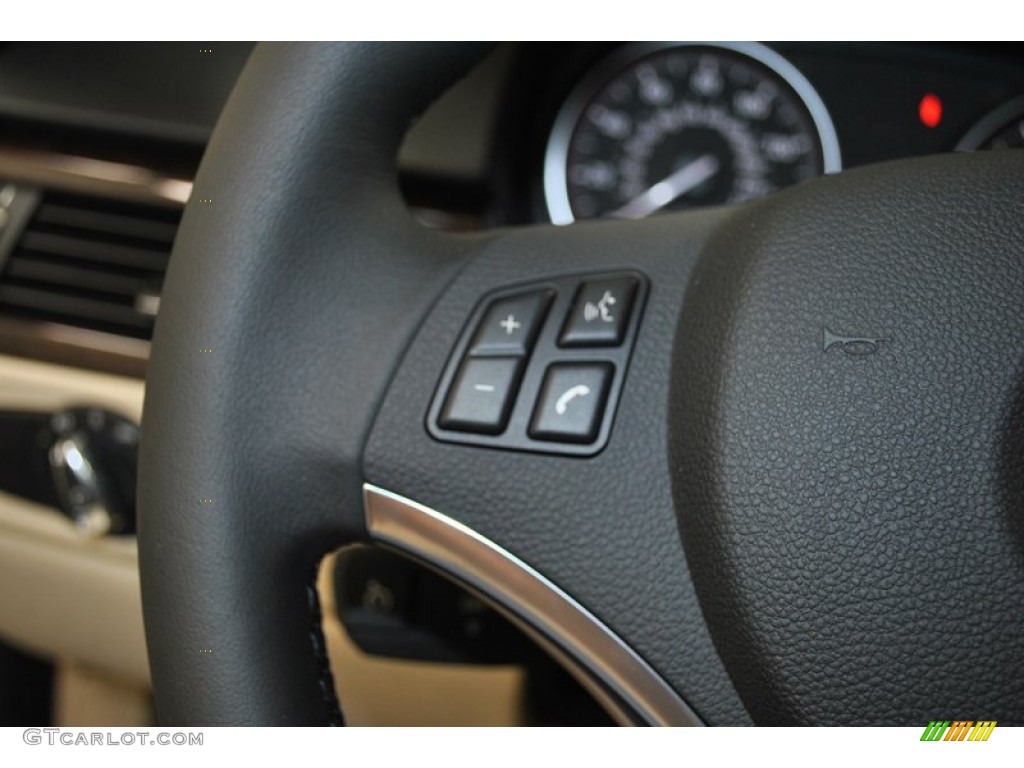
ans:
(42, 386)
(63, 595)
(84, 698)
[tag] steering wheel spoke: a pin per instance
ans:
(599, 524)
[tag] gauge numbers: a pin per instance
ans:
(670, 126)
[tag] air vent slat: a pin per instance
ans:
(91, 262)
(107, 223)
(73, 306)
(76, 277)
(104, 253)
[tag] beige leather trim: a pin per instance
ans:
(65, 596)
(62, 595)
(30, 384)
(84, 698)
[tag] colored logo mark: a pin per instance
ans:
(958, 730)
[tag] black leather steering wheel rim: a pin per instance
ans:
(307, 320)
(306, 128)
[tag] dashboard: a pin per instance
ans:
(99, 144)
(847, 105)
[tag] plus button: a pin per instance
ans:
(510, 324)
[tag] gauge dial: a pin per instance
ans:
(671, 126)
(1003, 128)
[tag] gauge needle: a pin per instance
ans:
(677, 184)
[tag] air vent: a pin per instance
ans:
(90, 262)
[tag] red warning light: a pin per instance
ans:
(930, 110)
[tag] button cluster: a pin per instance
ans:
(540, 369)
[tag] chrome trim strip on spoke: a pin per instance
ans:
(91, 176)
(528, 597)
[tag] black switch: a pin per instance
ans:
(372, 581)
(600, 314)
(571, 402)
(481, 395)
(510, 325)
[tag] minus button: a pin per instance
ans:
(482, 395)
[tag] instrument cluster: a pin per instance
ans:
(637, 129)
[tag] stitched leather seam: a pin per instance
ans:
(319, 646)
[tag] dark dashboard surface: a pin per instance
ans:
(86, 242)
(872, 92)
(476, 158)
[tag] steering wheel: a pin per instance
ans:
(796, 499)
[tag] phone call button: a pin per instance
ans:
(571, 402)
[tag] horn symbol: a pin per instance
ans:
(830, 339)
(851, 345)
